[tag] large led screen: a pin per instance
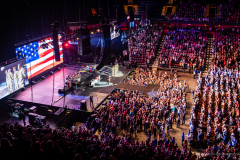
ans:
(13, 77)
(39, 56)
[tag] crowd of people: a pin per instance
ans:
(229, 12)
(184, 48)
(142, 76)
(26, 142)
(226, 47)
(143, 44)
(215, 113)
(127, 111)
(214, 117)
(188, 11)
(132, 112)
(18, 142)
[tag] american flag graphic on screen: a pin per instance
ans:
(40, 56)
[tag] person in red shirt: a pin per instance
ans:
(124, 113)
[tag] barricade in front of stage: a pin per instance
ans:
(63, 117)
(73, 116)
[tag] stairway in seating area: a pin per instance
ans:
(155, 63)
(208, 56)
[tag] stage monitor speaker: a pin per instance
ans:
(55, 41)
(83, 105)
(58, 114)
(106, 47)
(84, 41)
(31, 117)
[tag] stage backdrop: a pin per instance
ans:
(39, 56)
(13, 77)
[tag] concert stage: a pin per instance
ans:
(42, 91)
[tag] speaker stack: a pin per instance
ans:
(55, 40)
(83, 105)
(84, 41)
(106, 47)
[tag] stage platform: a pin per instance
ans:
(42, 91)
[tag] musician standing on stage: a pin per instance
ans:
(10, 80)
(109, 79)
(91, 101)
(7, 80)
(21, 76)
(15, 77)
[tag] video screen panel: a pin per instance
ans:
(13, 77)
(39, 56)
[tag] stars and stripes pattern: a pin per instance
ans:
(39, 56)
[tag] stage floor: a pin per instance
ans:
(42, 91)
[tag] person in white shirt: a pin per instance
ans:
(21, 76)
(73, 128)
(15, 77)
(7, 79)
(190, 138)
(163, 132)
(109, 79)
(10, 80)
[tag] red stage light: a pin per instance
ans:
(66, 45)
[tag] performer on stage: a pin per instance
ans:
(15, 77)
(10, 80)
(91, 101)
(21, 76)
(7, 79)
(109, 79)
